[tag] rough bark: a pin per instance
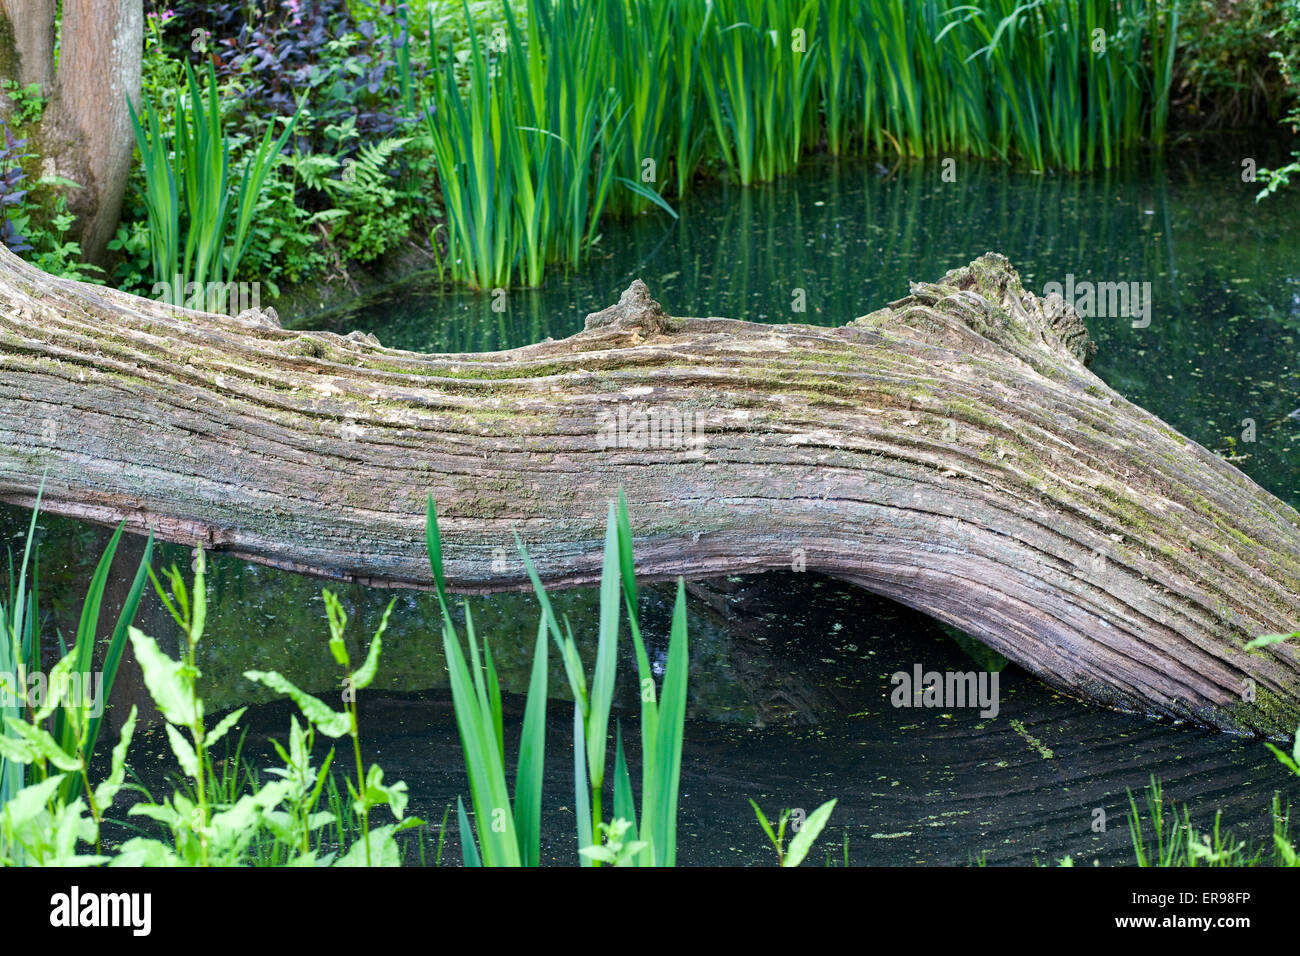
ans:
(85, 132)
(950, 451)
(27, 42)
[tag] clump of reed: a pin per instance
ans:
(200, 207)
(509, 832)
(50, 722)
(608, 105)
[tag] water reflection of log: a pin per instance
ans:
(787, 674)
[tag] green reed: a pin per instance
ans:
(590, 106)
(199, 207)
(509, 833)
(73, 724)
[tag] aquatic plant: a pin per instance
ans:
(217, 824)
(70, 700)
(590, 95)
(1175, 842)
(41, 821)
(370, 790)
(805, 834)
(526, 155)
(191, 189)
(507, 837)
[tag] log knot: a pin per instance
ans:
(363, 338)
(268, 317)
(993, 278)
(635, 308)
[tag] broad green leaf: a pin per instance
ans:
(173, 596)
(67, 826)
(762, 821)
(236, 821)
(109, 787)
(568, 653)
(142, 851)
(667, 766)
(603, 677)
(581, 795)
(67, 727)
(362, 678)
(113, 655)
(42, 744)
(468, 849)
(170, 682)
(624, 802)
(802, 841)
(184, 752)
(161, 812)
(493, 690)
(433, 541)
(222, 728)
(532, 756)
(377, 793)
(338, 621)
(324, 718)
(483, 763)
(12, 748)
(58, 688)
(1284, 758)
(598, 853)
(384, 850)
(30, 802)
(649, 194)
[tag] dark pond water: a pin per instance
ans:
(790, 674)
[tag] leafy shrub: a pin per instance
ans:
(35, 221)
(1227, 66)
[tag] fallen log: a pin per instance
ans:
(950, 451)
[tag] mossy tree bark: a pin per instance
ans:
(85, 131)
(950, 451)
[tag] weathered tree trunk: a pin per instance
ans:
(950, 451)
(85, 132)
(27, 42)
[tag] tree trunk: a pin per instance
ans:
(950, 451)
(27, 42)
(85, 133)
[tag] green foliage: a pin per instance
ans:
(52, 249)
(200, 211)
(214, 818)
(526, 154)
(58, 730)
(508, 837)
(26, 101)
(540, 116)
(1174, 842)
(375, 847)
(1287, 57)
(1229, 59)
(804, 836)
(369, 213)
(614, 848)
